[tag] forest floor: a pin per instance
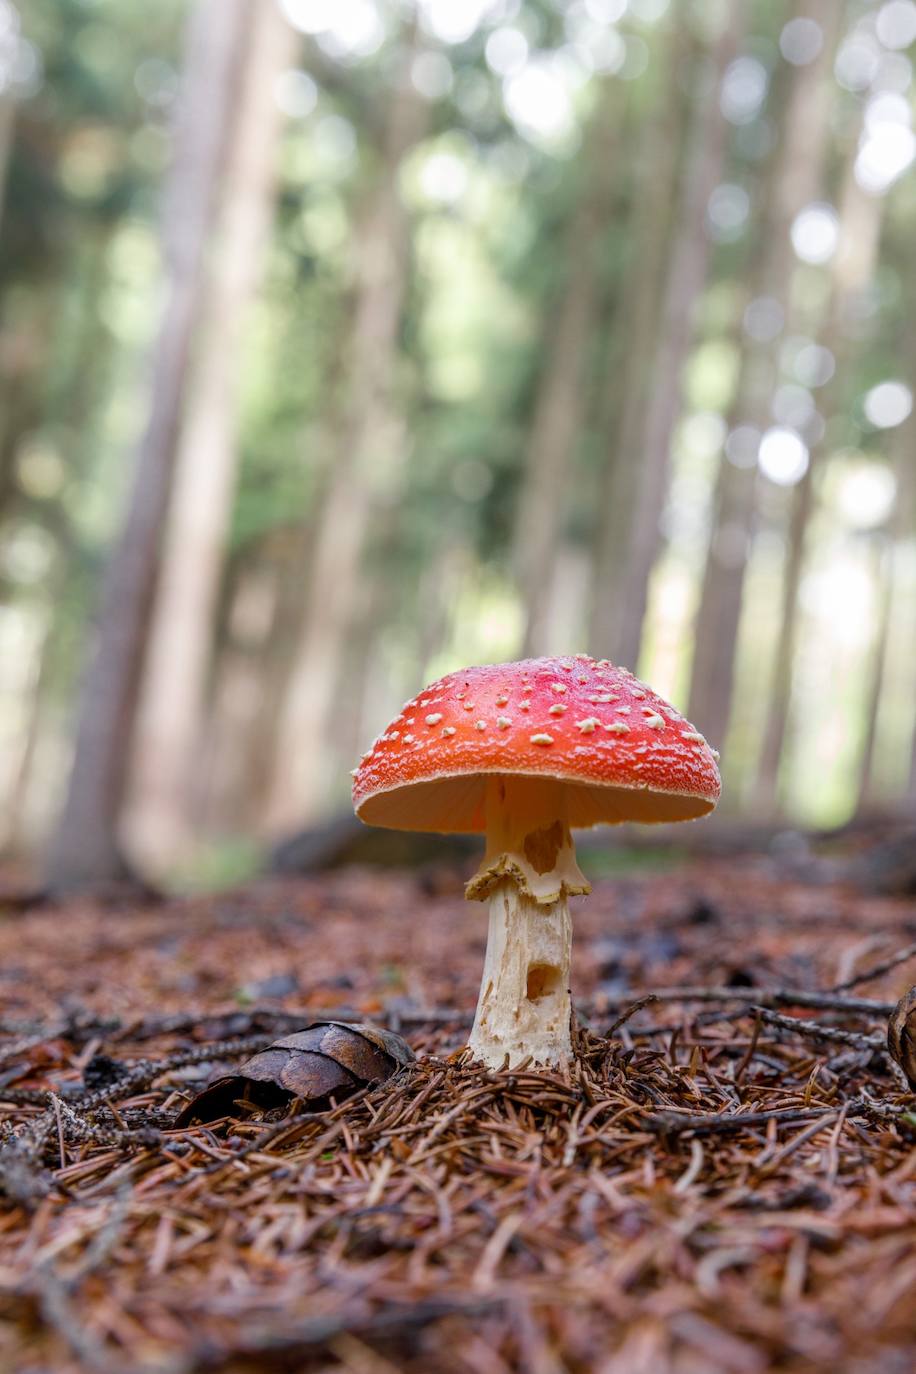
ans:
(715, 1187)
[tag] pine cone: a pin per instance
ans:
(327, 1059)
(901, 1035)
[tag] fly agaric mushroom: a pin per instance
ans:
(523, 753)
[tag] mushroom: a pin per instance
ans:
(524, 753)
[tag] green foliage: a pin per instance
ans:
(489, 200)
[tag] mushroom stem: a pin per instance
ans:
(528, 872)
(524, 1006)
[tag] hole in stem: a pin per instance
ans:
(543, 979)
(543, 846)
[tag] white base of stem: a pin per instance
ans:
(524, 1008)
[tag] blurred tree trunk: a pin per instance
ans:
(290, 559)
(14, 822)
(860, 220)
(368, 460)
(884, 579)
(701, 173)
(802, 508)
(636, 322)
(20, 410)
(904, 523)
(912, 789)
(559, 408)
(7, 124)
(890, 559)
(793, 181)
(25, 350)
(30, 355)
(175, 682)
(86, 847)
(242, 709)
(258, 743)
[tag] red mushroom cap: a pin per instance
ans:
(620, 752)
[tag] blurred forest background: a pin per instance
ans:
(345, 342)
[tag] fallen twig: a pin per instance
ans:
(763, 997)
(675, 1122)
(878, 970)
(844, 1037)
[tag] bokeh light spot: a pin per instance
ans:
(801, 40)
(744, 89)
(815, 233)
(764, 318)
(296, 94)
(783, 456)
(814, 365)
(895, 24)
(888, 404)
(865, 494)
(538, 101)
(727, 212)
(506, 51)
(857, 61)
(742, 446)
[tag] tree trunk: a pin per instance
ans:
(14, 814)
(890, 559)
(248, 796)
(240, 796)
(856, 256)
(906, 518)
(7, 125)
(559, 409)
(793, 181)
(636, 322)
(702, 172)
(884, 577)
(86, 848)
(242, 709)
(21, 410)
(175, 682)
(912, 787)
(767, 781)
(26, 348)
(368, 459)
